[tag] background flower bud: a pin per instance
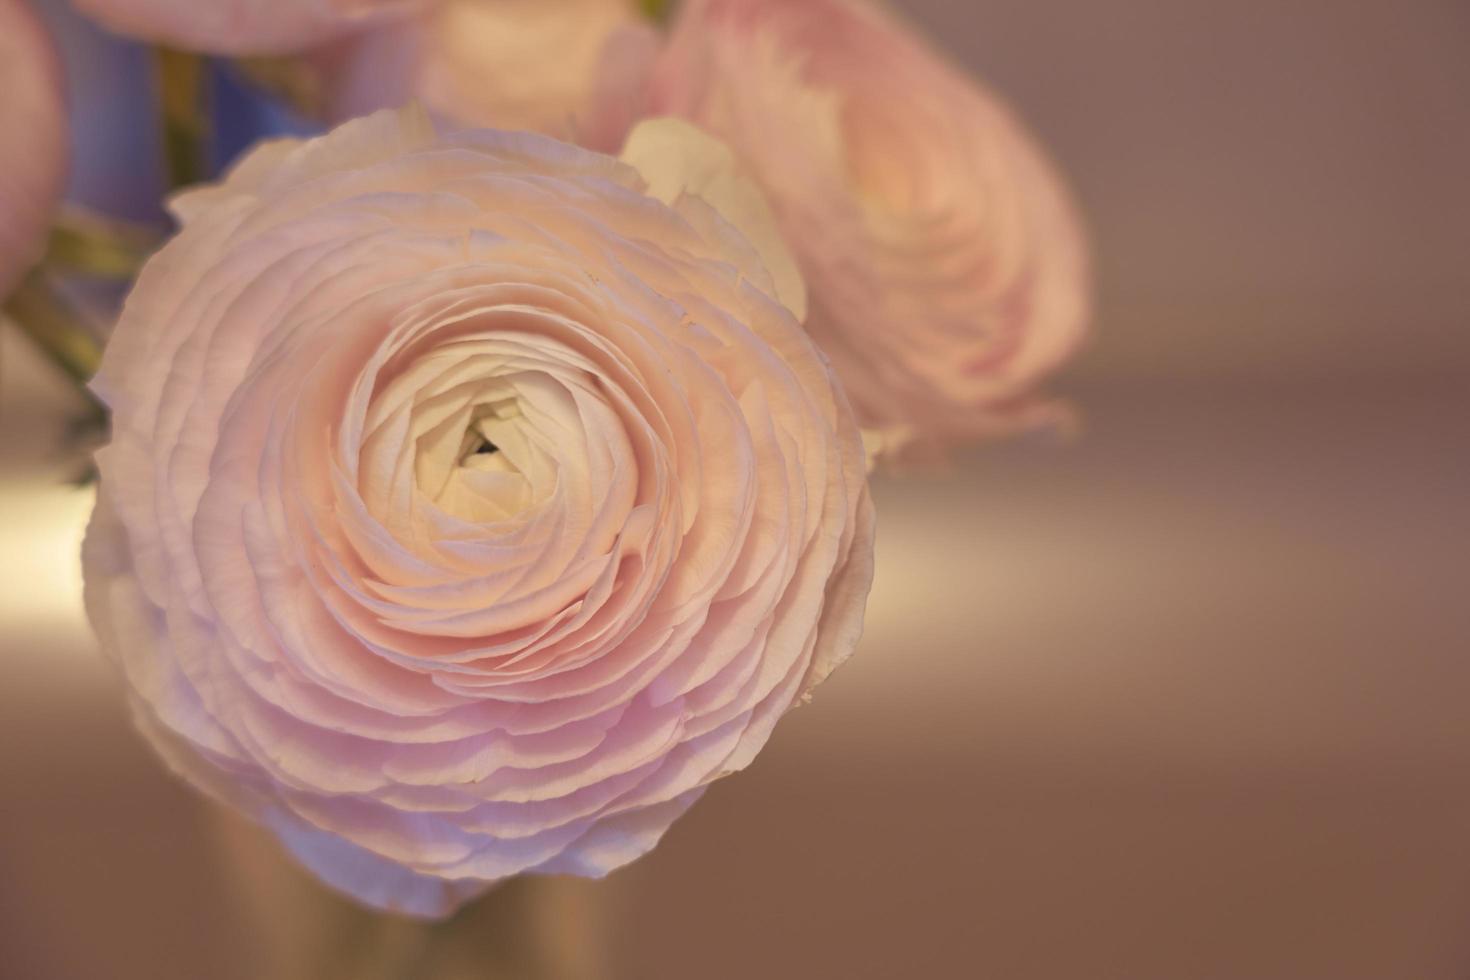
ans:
(566, 68)
(945, 263)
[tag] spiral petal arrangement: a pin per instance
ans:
(468, 510)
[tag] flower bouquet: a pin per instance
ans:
(487, 473)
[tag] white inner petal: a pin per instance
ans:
(484, 451)
(478, 464)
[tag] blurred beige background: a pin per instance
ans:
(1181, 701)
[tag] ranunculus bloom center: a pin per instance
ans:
(488, 438)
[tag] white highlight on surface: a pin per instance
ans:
(40, 547)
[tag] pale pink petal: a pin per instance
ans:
(573, 69)
(469, 510)
(244, 27)
(944, 259)
(678, 160)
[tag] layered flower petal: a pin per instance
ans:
(468, 509)
(945, 263)
(572, 69)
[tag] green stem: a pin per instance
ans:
(378, 946)
(502, 935)
(55, 328)
(105, 248)
(181, 96)
(658, 11)
(426, 953)
(288, 79)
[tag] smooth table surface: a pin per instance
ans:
(1183, 699)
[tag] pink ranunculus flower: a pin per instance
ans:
(572, 69)
(468, 510)
(244, 27)
(33, 139)
(946, 266)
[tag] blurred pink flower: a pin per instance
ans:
(468, 509)
(33, 139)
(243, 27)
(946, 266)
(566, 68)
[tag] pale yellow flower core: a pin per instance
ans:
(486, 462)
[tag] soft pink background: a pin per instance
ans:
(1182, 701)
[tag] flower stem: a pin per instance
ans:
(516, 931)
(186, 128)
(54, 327)
(658, 11)
(286, 79)
(104, 248)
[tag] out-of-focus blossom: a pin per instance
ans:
(945, 263)
(33, 141)
(238, 27)
(566, 68)
(469, 510)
